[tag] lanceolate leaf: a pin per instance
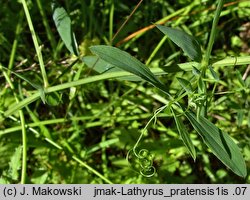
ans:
(102, 66)
(214, 74)
(185, 41)
(185, 84)
(63, 25)
(239, 77)
(220, 143)
(184, 135)
(125, 61)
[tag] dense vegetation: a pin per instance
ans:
(110, 126)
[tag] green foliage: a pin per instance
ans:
(128, 63)
(12, 174)
(186, 42)
(220, 144)
(63, 25)
(100, 66)
(184, 135)
(95, 119)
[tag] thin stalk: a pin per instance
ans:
(213, 32)
(203, 110)
(125, 22)
(88, 119)
(134, 36)
(91, 169)
(23, 127)
(104, 157)
(14, 46)
(111, 21)
(35, 41)
(157, 112)
(24, 141)
(47, 27)
(156, 49)
(232, 61)
(91, 17)
(63, 86)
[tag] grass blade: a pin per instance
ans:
(220, 143)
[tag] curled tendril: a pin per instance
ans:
(142, 161)
(148, 172)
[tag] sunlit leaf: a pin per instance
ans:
(188, 66)
(186, 42)
(232, 61)
(63, 25)
(220, 143)
(184, 136)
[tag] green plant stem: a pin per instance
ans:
(14, 46)
(88, 120)
(111, 21)
(91, 169)
(47, 27)
(104, 157)
(165, 19)
(213, 32)
(24, 141)
(159, 45)
(37, 48)
(232, 61)
(23, 127)
(157, 112)
(203, 109)
(125, 22)
(63, 86)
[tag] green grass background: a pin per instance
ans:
(86, 137)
